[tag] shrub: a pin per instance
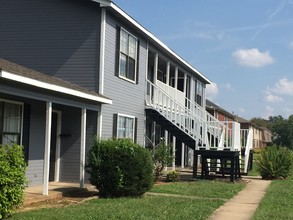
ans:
(12, 178)
(275, 162)
(162, 157)
(173, 176)
(119, 168)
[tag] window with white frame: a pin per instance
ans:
(125, 126)
(128, 56)
(10, 122)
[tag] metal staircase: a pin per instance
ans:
(193, 124)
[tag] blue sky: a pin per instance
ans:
(244, 47)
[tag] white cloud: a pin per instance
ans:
(291, 45)
(227, 86)
(269, 111)
(269, 97)
(212, 90)
(283, 87)
(252, 57)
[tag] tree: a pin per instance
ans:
(282, 130)
(261, 122)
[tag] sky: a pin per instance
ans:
(244, 47)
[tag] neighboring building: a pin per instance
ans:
(262, 137)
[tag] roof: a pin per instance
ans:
(21, 74)
(151, 37)
(212, 106)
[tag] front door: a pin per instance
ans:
(53, 146)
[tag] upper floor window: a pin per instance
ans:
(125, 126)
(128, 56)
(10, 122)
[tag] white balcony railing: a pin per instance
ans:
(195, 121)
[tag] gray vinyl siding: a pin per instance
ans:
(60, 38)
(128, 98)
(37, 142)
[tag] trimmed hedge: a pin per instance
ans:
(12, 178)
(275, 162)
(120, 168)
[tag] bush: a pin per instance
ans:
(119, 168)
(173, 176)
(12, 178)
(162, 157)
(275, 162)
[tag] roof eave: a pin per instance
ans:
(156, 40)
(56, 88)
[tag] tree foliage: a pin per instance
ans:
(12, 178)
(120, 168)
(282, 129)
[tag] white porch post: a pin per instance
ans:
(174, 152)
(185, 84)
(166, 143)
(182, 154)
(47, 148)
(82, 146)
(168, 74)
(99, 124)
(176, 77)
(156, 63)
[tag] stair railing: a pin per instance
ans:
(248, 147)
(192, 118)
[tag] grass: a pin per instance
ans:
(149, 207)
(277, 202)
(254, 171)
(201, 188)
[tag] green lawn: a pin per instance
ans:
(189, 206)
(277, 202)
(201, 188)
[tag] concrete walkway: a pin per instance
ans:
(244, 204)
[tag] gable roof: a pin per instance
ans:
(212, 106)
(150, 36)
(21, 74)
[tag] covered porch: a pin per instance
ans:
(53, 119)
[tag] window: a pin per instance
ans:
(10, 122)
(199, 93)
(125, 126)
(128, 56)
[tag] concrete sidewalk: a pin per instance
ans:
(244, 204)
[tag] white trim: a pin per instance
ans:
(102, 50)
(82, 147)
(58, 146)
(47, 148)
(103, 3)
(56, 88)
(151, 36)
(126, 116)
